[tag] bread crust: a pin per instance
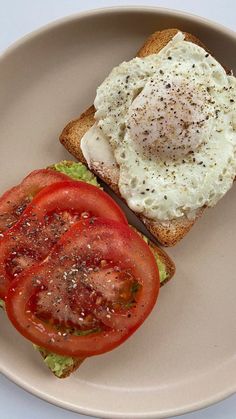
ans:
(160, 39)
(167, 233)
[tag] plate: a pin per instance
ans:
(184, 357)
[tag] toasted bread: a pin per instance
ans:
(167, 233)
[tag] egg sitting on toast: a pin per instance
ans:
(169, 122)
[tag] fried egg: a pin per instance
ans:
(169, 122)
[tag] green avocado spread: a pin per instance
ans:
(162, 269)
(76, 171)
(2, 304)
(59, 364)
(161, 266)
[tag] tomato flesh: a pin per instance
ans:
(14, 201)
(96, 287)
(51, 213)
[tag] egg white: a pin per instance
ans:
(160, 185)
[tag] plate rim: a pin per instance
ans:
(217, 397)
(110, 10)
(189, 408)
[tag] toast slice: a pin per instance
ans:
(168, 233)
(63, 366)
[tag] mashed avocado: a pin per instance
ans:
(2, 304)
(76, 171)
(161, 266)
(162, 269)
(58, 364)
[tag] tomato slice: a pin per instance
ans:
(14, 201)
(96, 287)
(51, 213)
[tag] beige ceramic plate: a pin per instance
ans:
(184, 357)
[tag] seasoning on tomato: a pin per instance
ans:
(51, 213)
(14, 201)
(96, 287)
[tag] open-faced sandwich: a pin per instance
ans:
(162, 133)
(75, 278)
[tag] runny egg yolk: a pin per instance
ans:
(170, 118)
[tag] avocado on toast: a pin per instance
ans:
(63, 366)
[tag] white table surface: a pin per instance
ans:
(18, 17)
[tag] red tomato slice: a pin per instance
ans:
(96, 287)
(14, 201)
(51, 213)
